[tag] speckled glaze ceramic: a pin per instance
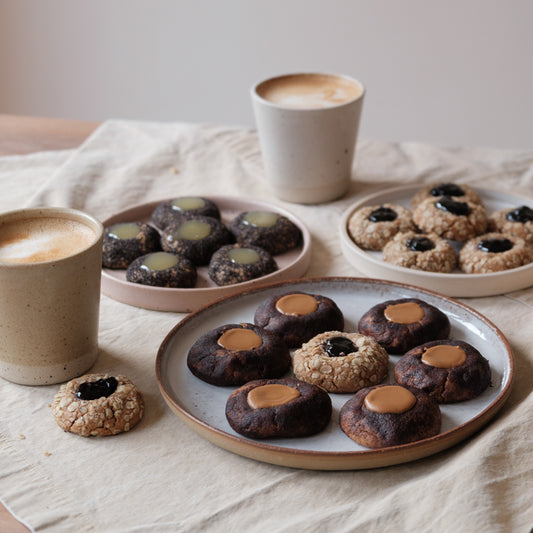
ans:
(49, 310)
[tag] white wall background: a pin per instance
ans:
(447, 72)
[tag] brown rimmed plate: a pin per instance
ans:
(291, 264)
(455, 284)
(202, 406)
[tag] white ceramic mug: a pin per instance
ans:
(307, 125)
(50, 269)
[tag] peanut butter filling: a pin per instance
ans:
(390, 399)
(444, 356)
(240, 339)
(271, 395)
(404, 313)
(296, 304)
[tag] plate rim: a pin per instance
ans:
(330, 460)
(413, 276)
(112, 286)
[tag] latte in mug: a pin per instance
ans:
(309, 91)
(40, 239)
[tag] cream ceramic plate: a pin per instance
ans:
(455, 284)
(292, 264)
(202, 406)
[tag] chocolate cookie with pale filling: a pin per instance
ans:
(278, 408)
(271, 231)
(233, 354)
(399, 325)
(163, 269)
(196, 238)
(517, 221)
(494, 252)
(125, 241)
(235, 263)
(372, 227)
(450, 218)
(182, 208)
(97, 405)
(448, 370)
(390, 415)
(430, 252)
(298, 316)
(341, 362)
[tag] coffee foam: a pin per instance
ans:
(43, 239)
(309, 91)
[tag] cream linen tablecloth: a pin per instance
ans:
(162, 477)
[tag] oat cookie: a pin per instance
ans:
(96, 405)
(494, 252)
(450, 219)
(458, 191)
(390, 415)
(371, 227)
(514, 221)
(287, 408)
(427, 252)
(341, 362)
(448, 370)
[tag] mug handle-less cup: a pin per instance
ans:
(308, 152)
(49, 310)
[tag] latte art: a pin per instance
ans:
(309, 91)
(35, 240)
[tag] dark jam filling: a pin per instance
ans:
(495, 246)
(420, 244)
(521, 214)
(92, 390)
(447, 189)
(339, 347)
(455, 208)
(383, 214)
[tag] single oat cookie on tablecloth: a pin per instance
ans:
(427, 252)
(494, 252)
(450, 219)
(371, 227)
(341, 362)
(96, 405)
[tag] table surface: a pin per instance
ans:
(493, 466)
(21, 135)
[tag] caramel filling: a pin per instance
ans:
(239, 339)
(296, 304)
(271, 395)
(124, 230)
(444, 356)
(390, 399)
(404, 313)
(262, 219)
(187, 203)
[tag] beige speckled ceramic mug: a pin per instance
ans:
(50, 269)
